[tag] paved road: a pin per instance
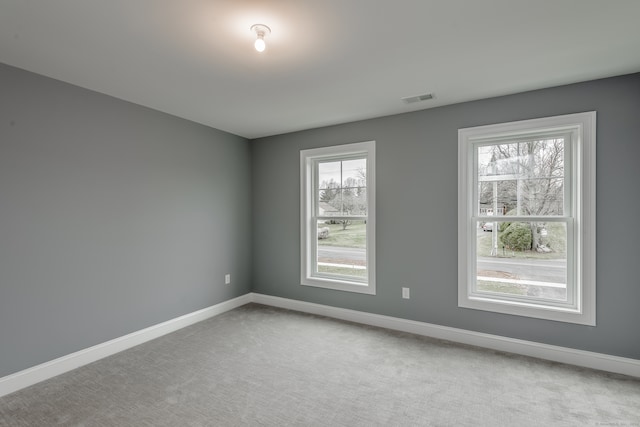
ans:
(543, 270)
(335, 252)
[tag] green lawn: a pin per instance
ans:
(502, 288)
(346, 271)
(353, 237)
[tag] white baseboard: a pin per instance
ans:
(44, 371)
(587, 359)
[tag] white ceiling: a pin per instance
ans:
(327, 61)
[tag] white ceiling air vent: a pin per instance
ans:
(417, 98)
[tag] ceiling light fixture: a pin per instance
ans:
(261, 30)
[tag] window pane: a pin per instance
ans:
(353, 201)
(328, 202)
(329, 174)
(497, 198)
(342, 248)
(342, 188)
(523, 259)
(354, 173)
(498, 159)
(523, 178)
(541, 197)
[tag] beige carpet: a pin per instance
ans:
(263, 366)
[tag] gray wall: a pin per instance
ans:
(113, 217)
(417, 208)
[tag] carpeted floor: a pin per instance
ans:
(263, 366)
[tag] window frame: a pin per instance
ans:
(580, 166)
(308, 230)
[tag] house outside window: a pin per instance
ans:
(338, 217)
(526, 225)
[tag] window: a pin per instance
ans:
(338, 218)
(526, 218)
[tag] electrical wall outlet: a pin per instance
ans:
(405, 293)
(227, 279)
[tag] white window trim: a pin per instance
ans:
(307, 239)
(583, 152)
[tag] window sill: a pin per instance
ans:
(340, 285)
(535, 310)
